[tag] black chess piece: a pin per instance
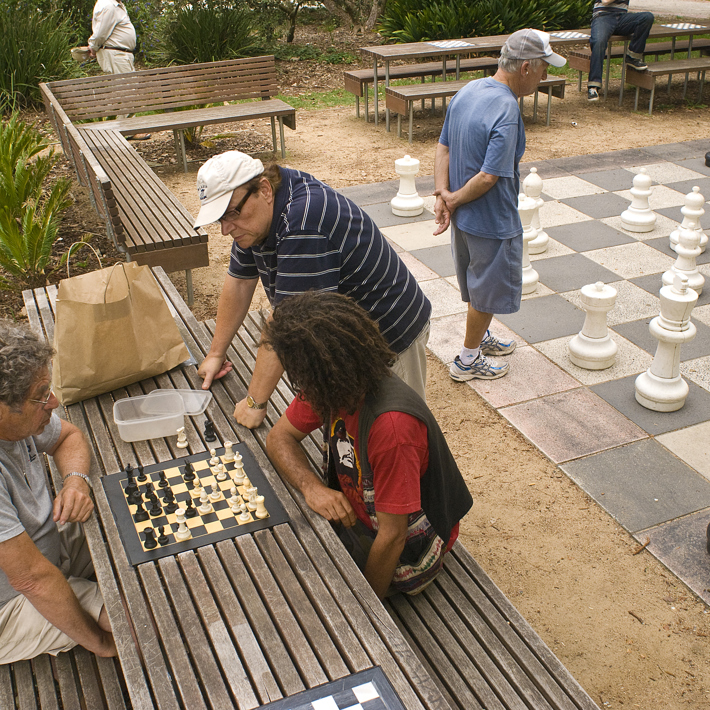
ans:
(141, 475)
(209, 431)
(155, 508)
(131, 489)
(128, 469)
(163, 483)
(169, 503)
(149, 489)
(708, 539)
(140, 515)
(707, 159)
(163, 539)
(189, 474)
(190, 510)
(150, 541)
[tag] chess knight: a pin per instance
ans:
(44, 567)
(394, 492)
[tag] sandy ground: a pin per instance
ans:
(627, 629)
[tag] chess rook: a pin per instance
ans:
(661, 388)
(407, 202)
(638, 216)
(692, 212)
(688, 250)
(228, 455)
(532, 187)
(592, 348)
(526, 209)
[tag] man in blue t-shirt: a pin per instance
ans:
(477, 185)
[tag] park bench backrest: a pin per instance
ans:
(165, 88)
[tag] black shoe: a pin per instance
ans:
(592, 93)
(637, 64)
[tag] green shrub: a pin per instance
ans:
(409, 21)
(34, 48)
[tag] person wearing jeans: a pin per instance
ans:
(612, 17)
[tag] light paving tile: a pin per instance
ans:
(417, 235)
(397, 249)
(572, 186)
(691, 445)
(420, 271)
(553, 214)
(445, 299)
(632, 303)
(554, 248)
(540, 290)
(697, 371)
(631, 260)
(660, 197)
(702, 313)
(663, 227)
(629, 360)
(664, 173)
(446, 336)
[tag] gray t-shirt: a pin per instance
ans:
(25, 496)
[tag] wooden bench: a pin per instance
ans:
(647, 79)
(400, 99)
(165, 90)
(357, 81)
(143, 218)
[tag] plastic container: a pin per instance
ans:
(195, 401)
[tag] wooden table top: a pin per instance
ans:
(246, 621)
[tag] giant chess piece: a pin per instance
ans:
(661, 388)
(692, 212)
(688, 251)
(592, 348)
(532, 187)
(638, 216)
(407, 202)
(526, 209)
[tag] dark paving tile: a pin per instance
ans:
(623, 158)
(674, 151)
(585, 236)
(544, 318)
(663, 244)
(681, 546)
(612, 180)
(546, 169)
(621, 395)
(638, 333)
(570, 272)
(437, 259)
(371, 193)
(640, 484)
(652, 283)
(677, 215)
(606, 204)
(686, 186)
(697, 164)
(382, 215)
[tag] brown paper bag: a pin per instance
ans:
(112, 328)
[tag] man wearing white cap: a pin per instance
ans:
(297, 234)
(477, 185)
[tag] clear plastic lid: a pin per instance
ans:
(195, 401)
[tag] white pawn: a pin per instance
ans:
(181, 438)
(407, 202)
(526, 209)
(183, 532)
(661, 388)
(532, 187)
(197, 488)
(692, 212)
(688, 249)
(234, 501)
(246, 482)
(245, 515)
(638, 216)
(228, 456)
(592, 348)
(214, 460)
(261, 511)
(205, 505)
(219, 473)
(215, 493)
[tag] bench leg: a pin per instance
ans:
(579, 81)
(387, 83)
(273, 134)
(281, 135)
(608, 69)
(423, 81)
(190, 292)
(357, 106)
(549, 106)
(182, 149)
(537, 93)
(411, 120)
(367, 107)
(685, 86)
(636, 100)
(623, 73)
(399, 125)
(650, 101)
(702, 86)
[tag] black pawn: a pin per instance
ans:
(149, 489)
(141, 476)
(189, 474)
(163, 483)
(140, 515)
(155, 508)
(150, 541)
(131, 489)
(169, 503)
(163, 539)
(190, 510)
(129, 469)
(209, 431)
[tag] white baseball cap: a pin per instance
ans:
(531, 44)
(218, 178)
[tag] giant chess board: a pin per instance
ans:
(220, 519)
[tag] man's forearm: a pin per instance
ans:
(477, 186)
(381, 564)
(441, 167)
(289, 460)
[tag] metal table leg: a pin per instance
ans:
(623, 73)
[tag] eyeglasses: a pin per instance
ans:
(233, 214)
(43, 402)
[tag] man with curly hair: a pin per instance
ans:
(47, 602)
(394, 490)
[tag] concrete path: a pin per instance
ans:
(698, 9)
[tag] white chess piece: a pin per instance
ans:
(251, 494)
(638, 216)
(532, 187)
(661, 388)
(261, 511)
(215, 493)
(181, 438)
(219, 473)
(407, 202)
(526, 209)
(692, 212)
(688, 250)
(228, 456)
(197, 488)
(245, 515)
(205, 505)
(234, 501)
(592, 348)
(246, 482)
(183, 532)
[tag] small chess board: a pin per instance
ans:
(206, 528)
(367, 690)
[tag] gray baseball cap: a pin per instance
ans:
(531, 44)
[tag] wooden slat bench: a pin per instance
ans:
(163, 91)
(358, 81)
(400, 99)
(142, 216)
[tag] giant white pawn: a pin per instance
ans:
(688, 250)
(526, 209)
(407, 202)
(532, 187)
(692, 212)
(592, 348)
(638, 216)
(661, 388)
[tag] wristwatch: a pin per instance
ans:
(81, 475)
(254, 405)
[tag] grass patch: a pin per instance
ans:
(320, 99)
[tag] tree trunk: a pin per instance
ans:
(343, 10)
(374, 15)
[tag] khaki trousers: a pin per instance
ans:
(410, 365)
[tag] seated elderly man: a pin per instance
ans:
(47, 603)
(395, 492)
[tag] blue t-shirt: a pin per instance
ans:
(484, 132)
